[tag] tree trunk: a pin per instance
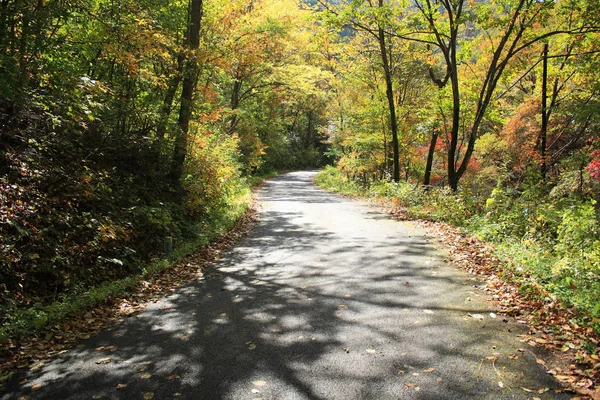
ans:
(389, 90)
(167, 106)
(190, 78)
(430, 154)
(545, 114)
(453, 176)
(235, 103)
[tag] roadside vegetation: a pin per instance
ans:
(126, 123)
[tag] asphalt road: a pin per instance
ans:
(327, 298)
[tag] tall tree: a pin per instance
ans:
(373, 18)
(190, 78)
(511, 27)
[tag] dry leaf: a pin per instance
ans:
(104, 360)
(146, 376)
(121, 386)
(429, 370)
(148, 396)
(36, 387)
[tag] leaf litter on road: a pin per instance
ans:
(551, 325)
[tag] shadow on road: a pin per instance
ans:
(299, 311)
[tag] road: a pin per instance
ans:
(326, 298)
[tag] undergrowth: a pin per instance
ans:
(21, 320)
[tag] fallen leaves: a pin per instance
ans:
(106, 360)
(551, 325)
(413, 386)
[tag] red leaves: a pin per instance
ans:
(593, 167)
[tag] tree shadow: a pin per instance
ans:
(301, 309)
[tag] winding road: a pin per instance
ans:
(326, 298)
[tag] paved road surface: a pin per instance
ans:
(326, 298)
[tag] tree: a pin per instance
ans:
(510, 26)
(190, 79)
(373, 18)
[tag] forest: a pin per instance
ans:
(124, 122)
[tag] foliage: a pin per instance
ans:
(99, 104)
